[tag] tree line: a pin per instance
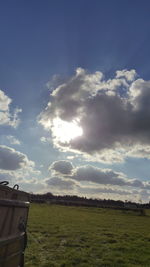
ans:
(84, 201)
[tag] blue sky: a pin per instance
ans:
(42, 39)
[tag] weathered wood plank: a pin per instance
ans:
(14, 206)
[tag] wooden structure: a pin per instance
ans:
(14, 206)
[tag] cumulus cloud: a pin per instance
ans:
(62, 166)
(95, 175)
(4, 101)
(129, 75)
(95, 182)
(10, 159)
(6, 117)
(113, 114)
(16, 168)
(106, 177)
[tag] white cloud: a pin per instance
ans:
(13, 140)
(6, 117)
(4, 101)
(129, 75)
(45, 140)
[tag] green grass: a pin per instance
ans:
(78, 236)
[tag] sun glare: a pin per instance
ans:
(66, 131)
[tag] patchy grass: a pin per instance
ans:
(60, 236)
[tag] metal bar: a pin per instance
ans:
(14, 203)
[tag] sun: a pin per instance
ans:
(65, 131)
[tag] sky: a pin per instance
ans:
(75, 97)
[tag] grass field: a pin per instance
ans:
(78, 236)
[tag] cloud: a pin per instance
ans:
(65, 185)
(45, 140)
(106, 177)
(113, 114)
(16, 168)
(13, 140)
(5, 176)
(95, 175)
(129, 75)
(4, 101)
(62, 166)
(95, 182)
(115, 193)
(61, 183)
(104, 190)
(100, 176)
(6, 117)
(33, 185)
(10, 159)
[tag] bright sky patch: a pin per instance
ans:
(66, 131)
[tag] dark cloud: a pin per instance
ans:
(88, 173)
(93, 181)
(62, 166)
(103, 176)
(96, 175)
(114, 114)
(10, 159)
